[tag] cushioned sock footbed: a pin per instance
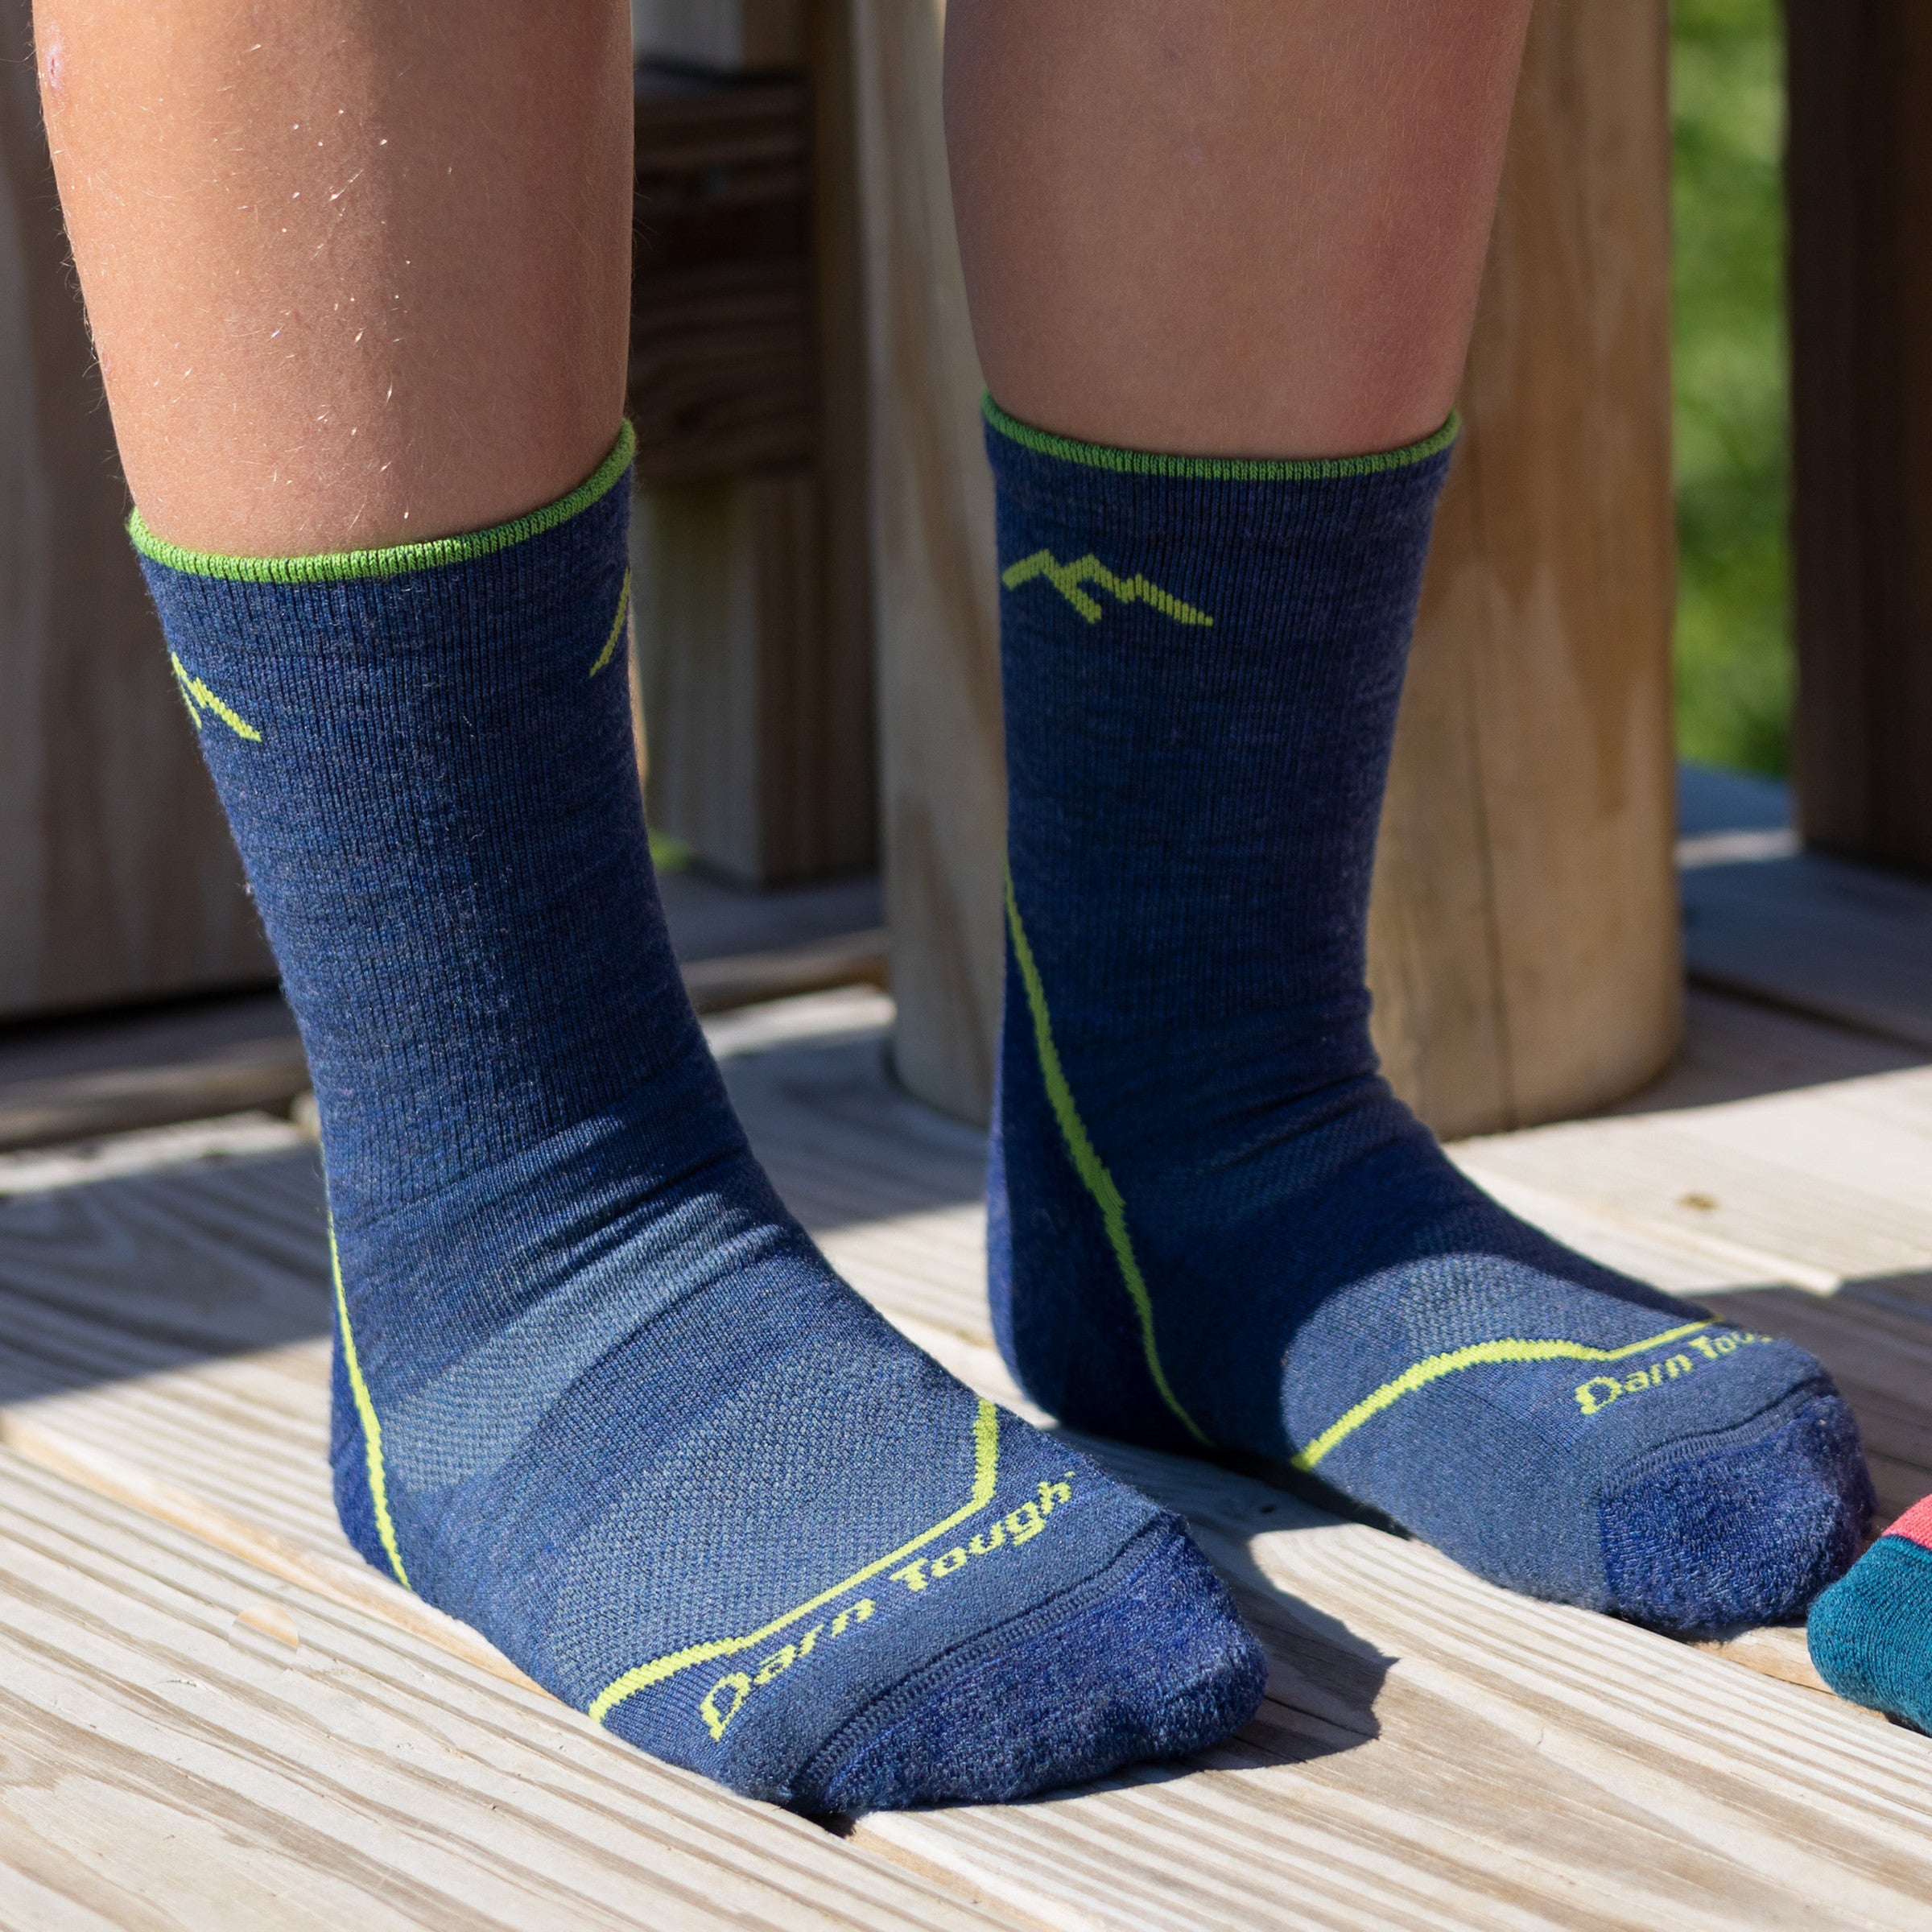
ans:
(1212, 1226)
(596, 1393)
(1871, 1632)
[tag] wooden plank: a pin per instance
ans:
(721, 349)
(747, 979)
(1523, 946)
(258, 1073)
(1434, 1752)
(117, 879)
(1523, 938)
(1815, 1187)
(943, 802)
(1734, 1049)
(756, 707)
(63, 1080)
(233, 1137)
(1858, 177)
(1805, 930)
(171, 1758)
(1820, 935)
(753, 634)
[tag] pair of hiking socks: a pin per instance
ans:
(595, 1392)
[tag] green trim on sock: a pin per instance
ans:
(1232, 469)
(365, 1414)
(1509, 1350)
(403, 557)
(1088, 1164)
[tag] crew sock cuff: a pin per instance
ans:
(398, 560)
(1222, 469)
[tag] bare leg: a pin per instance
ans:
(1227, 227)
(357, 273)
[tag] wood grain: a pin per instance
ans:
(257, 1073)
(943, 805)
(1817, 1187)
(750, 556)
(1523, 946)
(1434, 1752)
(1820, 935)
(117, 879)
(721, 343)
(1858, 180)
(755, 681)
(162, 1768)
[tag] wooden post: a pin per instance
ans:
(117, 879)
(752, 571)
(936, 589)
(1523, 947)
(1858, 189)
(1524, 943)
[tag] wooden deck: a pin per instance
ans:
(216, 1716)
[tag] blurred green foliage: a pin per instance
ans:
(1733, 631)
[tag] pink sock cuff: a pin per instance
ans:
(1915, 1525)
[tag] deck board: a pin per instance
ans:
(1433, 1753)
(1816, 934)
(164, 1765)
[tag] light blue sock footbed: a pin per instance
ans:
(1212, 1226)
(595, 1392)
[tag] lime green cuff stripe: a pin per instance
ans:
(403, 557)
(1231, 470)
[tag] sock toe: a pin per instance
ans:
(1156, 1666)
(1871, 1632)
(1744, 1533)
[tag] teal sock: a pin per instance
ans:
(1213, 1226)
(597, 1393)
(1871, 1632)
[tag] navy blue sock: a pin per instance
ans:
(596, 1393)
(1212, 1225)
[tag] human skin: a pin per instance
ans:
(357, 271)
(1241, 228)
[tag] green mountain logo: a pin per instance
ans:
(1067, 579)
